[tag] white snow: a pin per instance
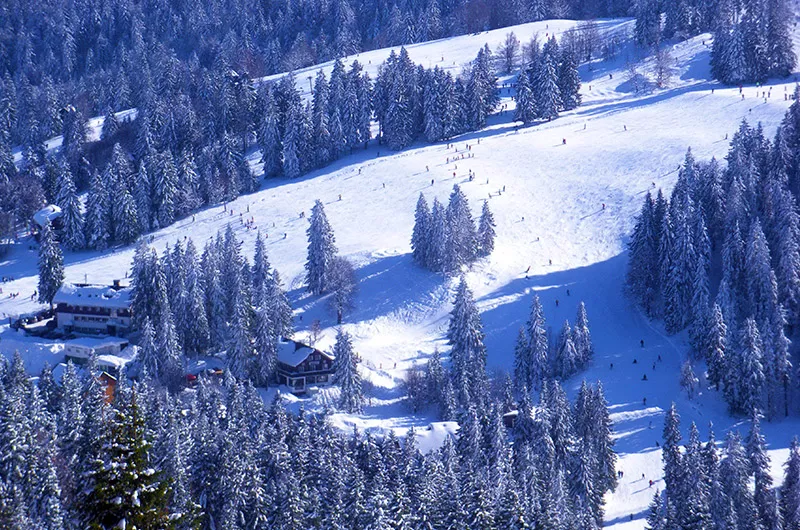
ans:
(93, 296)
(550, 218)
(48, 213)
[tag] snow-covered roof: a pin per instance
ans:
(115, 361)
(293, 353)
(48, 213)
(93, 295)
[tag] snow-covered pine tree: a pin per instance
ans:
(525, 110)
(538, 345)
(124, 217)
(192, 323)
(544, 84)
(292, 141)
(481, 93)
(746, 371)
(566, 361)
(581, 337)
(321, 250)
(656, 513)
(468, 353)
(51, 265)
(462, 239)
(764, 495)
(569, 81)
(420, 238)
(734, 473)
(642, 276)
(715, 347)
(780, 51)
(671, 455)
(268, 137)
(346, 374)
(148, 356)
(689, 381)
(439, 236)
(165, 188)
(142, 193)
(128, 490)
(522, 362)
(486, 232)
(648, 22)
(98, 228)
(790, 490)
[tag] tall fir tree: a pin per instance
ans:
(321, 250)
(51, 265)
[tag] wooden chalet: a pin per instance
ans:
(301, 366)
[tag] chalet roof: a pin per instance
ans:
(106, 360)
(94, 296)
(48, 213)
(293, 353)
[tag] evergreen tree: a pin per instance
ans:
(746, 376)
(566, 358)
(716, 344)
(321, 250)
(128, 491)
(525, 110)
(70, 204)
(269, 139)
(765, 498)
(790, 490)
(545, 89)
(581, 337)
(51, 265)
(468, 353)
(98, 219)
(346, 374)
(420, 238)
(462, 242)
(486, 232)
(569, 81)
(648, 22)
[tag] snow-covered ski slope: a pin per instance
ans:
(618, 145)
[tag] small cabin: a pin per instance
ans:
(111, 354)
(301, 366)
(49, 214)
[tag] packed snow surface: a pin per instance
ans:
(564, 195)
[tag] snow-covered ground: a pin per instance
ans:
(618, 145)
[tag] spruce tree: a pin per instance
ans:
(790, 490)
(51, 265)
(716, 344)
(465, 334)
(486, 232)
(420, 238)
(98, 219)
(346, 374)
(538, 345)
(70, 204)
(566, 358)
(321, 250)
(569, 81)
(127, 490)
(545, 89)
(525, 110)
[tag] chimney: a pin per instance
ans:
(117, 285)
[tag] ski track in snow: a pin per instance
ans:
(559, 190)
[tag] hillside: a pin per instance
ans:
(563, 213)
